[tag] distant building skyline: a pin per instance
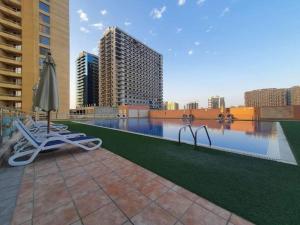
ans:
(273, 97)
(192, 105)
(216, 102)
(131, 73)
(87, 65)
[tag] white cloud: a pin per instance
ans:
(84, 30)
(178, 30)
(158, 13)
(225, 11)
(181, 2)
(82, 15)
(197, 43)
(170, 49)
(98, 26)
(209, 29)
(190, 52)
(127, 23)
(103, 12)
(200, 2)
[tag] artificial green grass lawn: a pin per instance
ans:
(262, 191)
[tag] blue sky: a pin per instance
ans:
(210, 47)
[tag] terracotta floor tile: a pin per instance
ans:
(236, 220)
(153, 189)
(214, 208)
(117, 189)
(65, 214)
(66, 165)
(81, 177)
(108, 215)
(190, 195)
(126, 171)
(93, 166)
(132, 203)
(50, 200)
(44, 172)
(175, 203)
(91, 202)
(49, 180)
(82, 188)
(153, 215)
(106, 179)
(164, 181)
(72, 172)
(99, 171)
(197, 215)
(138, 180)
(22, 213)
(25, 196)
(113, 164)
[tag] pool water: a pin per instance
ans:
(249, 137)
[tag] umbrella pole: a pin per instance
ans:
(48, 128)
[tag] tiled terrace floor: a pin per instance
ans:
(76, 187)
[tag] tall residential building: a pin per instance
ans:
(294, 95)
(28, 30)
(171, 105)
(192, 105)
(273, 97)
(216, 102)
(87, 79)
(131, 73)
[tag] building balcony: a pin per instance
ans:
(11, 24)
(10, 11)
(13, 3)
(11, 36)
(11, 48)
(11, 61)
(10, 85)
(10, 97)
(10, 73)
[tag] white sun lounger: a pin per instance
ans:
(38, 126)
(41, 135)
(51, 142)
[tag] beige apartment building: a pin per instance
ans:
(28, 30)
(273, 97)
(131, 73)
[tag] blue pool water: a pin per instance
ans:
(242, 136)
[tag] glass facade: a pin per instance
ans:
(44, 18)
(44, 7)
(44, 40)
(44, 29)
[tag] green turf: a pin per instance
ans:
(262, 191)
(292, 132)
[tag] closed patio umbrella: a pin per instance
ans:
(46, 97)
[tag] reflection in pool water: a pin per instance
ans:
(246, 136)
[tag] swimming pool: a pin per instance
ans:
(260, 139)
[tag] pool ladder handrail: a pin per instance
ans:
(207, 134)
(179, 133)
(194, 134)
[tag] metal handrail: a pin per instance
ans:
(196, 132)
(179, 133)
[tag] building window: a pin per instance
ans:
(44, 40)
(44, 51)
(44, 18)
(44, 7)
(44, 29)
